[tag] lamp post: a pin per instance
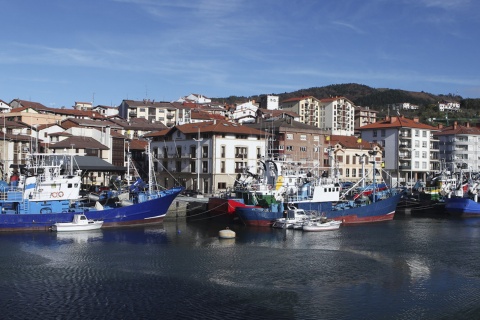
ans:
(317, 147)
(198, 159)
(362, 161)
(411, 170)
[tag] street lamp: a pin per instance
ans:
(411, 169)
(317, 147)
(198, 159)
(362, 161)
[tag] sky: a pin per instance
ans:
(59, 52)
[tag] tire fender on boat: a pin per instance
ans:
(54, 195)
(60, 194)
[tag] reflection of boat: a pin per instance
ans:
(322, 225)
(322, 195)
(80, 237)
(48, 192)
(80, 223)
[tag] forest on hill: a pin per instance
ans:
(379, 98)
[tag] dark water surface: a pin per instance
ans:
(409, 268)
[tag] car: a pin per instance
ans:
(346, 185)
(190, 193)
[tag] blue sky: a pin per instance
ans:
(57, 52)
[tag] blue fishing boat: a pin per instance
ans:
(47, 192)
(324, 196)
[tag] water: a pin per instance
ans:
(409, 268)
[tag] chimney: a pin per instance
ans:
(416, 119)
(455, 125)
(467, 124)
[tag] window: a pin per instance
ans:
(303, 149)
(205, 166)
(424, 133)
(303, 137)
(289, 148)
(417, 133)
(289, 136)
(222, 167)
(347, 173)
(222, 185)
(374, 133)
(424, 154)
(222, 152)
(354, 173)
(382, 132)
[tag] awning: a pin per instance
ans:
(91, 163)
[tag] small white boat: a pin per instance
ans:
(226, 234)
(322, 225)
(80, 223)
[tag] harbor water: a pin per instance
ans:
(408, 268)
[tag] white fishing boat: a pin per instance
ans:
(80, 223)
(322, 225)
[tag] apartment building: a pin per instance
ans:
(410, 148)
(459, 147)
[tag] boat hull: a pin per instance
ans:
(67, 227)
(144, 213)
(464, 207)
(383, 210)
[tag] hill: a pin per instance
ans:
(360, 95)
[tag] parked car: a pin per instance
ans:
(190, 193)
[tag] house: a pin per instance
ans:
(350, 158)
(448, 106)
(207, 156)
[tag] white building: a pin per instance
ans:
(207, 156)
(337, 116)
(448, 106)
(410, 148)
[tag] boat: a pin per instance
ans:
(48, 192)
(322, 225)
(293, 218)
(323, 195)
(464, 200)
(80, 223)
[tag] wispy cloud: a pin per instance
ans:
(349, 26)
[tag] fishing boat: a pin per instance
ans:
(48, 192)
(464, 201)
(323, 195)
(80, 223)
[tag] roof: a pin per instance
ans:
(397, 122)
(91, 163)
(349, 142)
(458, 129)
(216, 126)
(79, 143)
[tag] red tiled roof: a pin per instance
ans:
(458, 129)
(350, 142)
(397, 122)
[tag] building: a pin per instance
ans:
(459, 147)
(364, 116)
(308, 107)
(410, 149)
(337, 116)
(206, 156)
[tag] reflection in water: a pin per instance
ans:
(80, 236)
(419, 268)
